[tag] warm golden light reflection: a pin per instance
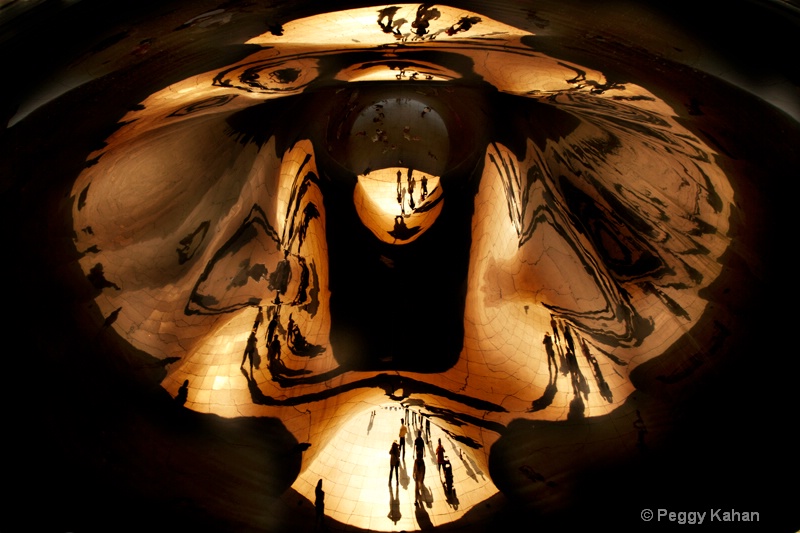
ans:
(399, 72)
(396, 204)
(355, 27)
(354, 468)
(589, 232)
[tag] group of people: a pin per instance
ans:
(421, 425)
(397, 452)
(411, 183)
(272, 342)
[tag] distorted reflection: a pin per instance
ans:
(337, 208)
(394, 206)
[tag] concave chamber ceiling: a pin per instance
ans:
(591, 222)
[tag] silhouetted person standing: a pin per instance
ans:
(554, 327)
(249, 351)
(272, 326)
(394, 463)
(419, 445)
(551, 354)
(290, 330)
(439, 456)
(402, 436)
(273, 356)
(259, 319)
(569, 339)
(319, 503)
(183, 393)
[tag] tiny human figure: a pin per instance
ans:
(568, 338)
(273, 356)
(419, 478)
(259, 319)
(439, 456)
(427, 428)
(402, 436)
(554, 327)
(319, 502)
(249, 351)
(419, 445)
(290, 330)
(551, 355)
(394, 463)
(183, 393)
(271, 327)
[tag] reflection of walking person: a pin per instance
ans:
(183, 393)
(551, 355)
(402, 435)
(419, 478)
(259, 319)
(290, 330)
(439, 456)
(250, 351)
(273, 356)
(394, 463)
(272, 326)
(319, 503)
